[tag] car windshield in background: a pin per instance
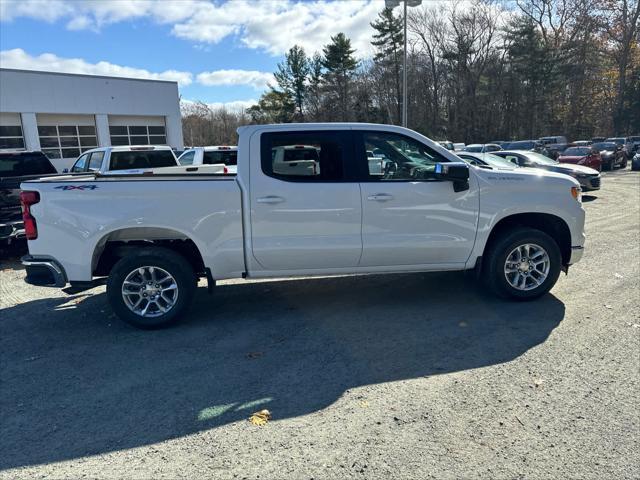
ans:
(228, 157)
(496, 161)
(21, 164)
(577, 152)
(541, 159)
(604, 146)
(619, 141)
(473, 148)
(519, 146)
(142, 159)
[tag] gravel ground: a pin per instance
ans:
(405, 376)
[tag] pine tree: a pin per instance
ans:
(314, 85)
(340, 66)
(388, 40)
(292, 74)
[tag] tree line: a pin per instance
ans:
(477, 72)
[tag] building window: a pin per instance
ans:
(66, 141)
(11, 136)
(138, 135)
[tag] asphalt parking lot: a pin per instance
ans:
(421, 376)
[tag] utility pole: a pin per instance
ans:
(406, 3)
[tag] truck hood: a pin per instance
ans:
(525, 174)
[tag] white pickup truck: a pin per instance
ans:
(213, 155)
(152, 237)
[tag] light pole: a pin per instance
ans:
(406, 3)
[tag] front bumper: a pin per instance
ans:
(589, 183)
(576, 254)
(44, 272)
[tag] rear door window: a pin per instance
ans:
(95, 161)
(319, 156)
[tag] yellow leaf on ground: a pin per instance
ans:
(260, 418)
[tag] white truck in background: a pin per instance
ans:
(213, 155)
(134, 159)
(153, 236)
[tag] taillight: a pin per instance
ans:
(28, 198)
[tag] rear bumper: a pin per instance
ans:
(44, 272)
(11, 230)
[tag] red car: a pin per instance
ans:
(586, 156)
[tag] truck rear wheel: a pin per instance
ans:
(151, 287)
(524, 264)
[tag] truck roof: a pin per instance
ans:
(250, 129)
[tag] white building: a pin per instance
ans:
(66, 114)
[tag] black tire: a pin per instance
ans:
(168, 260)
(494, 263)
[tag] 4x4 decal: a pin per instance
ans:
(77, 187)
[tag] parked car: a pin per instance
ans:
(457, 147)
(612, 155)
(212, 155)
(499, 142)
(588, 178)
(153, 239)
(486, 160)
(446, 144)
(587, 156)
(17, 166)
(482, 147)
(554, 150)
(530, 145)
(598, 139)
(626, 144)
(553, 139)
(582, 143)
(636, 143)
(635, 162)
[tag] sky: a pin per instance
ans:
(219, 51)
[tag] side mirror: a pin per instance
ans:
(458, 173)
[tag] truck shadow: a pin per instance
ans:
(78, 382)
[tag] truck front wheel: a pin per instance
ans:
(523, 264)
(151, 287)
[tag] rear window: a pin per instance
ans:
(142, 159)
(577, 151)
(21, 164)
(228, 157)
(520, 146)
(301, 153)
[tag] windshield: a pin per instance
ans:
(21, 164)
(541, 159)
(619, 141)
(520, 146)
(604, 146)
(577, 151)
(228, 157)
(473, 148)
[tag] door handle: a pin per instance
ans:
(380, 197)
(271, 199)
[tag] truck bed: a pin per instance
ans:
(78, 214)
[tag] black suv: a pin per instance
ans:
(15, 168)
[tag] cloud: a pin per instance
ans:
(271, 26)
(235, 105)
(257, 80)
(19, 59)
